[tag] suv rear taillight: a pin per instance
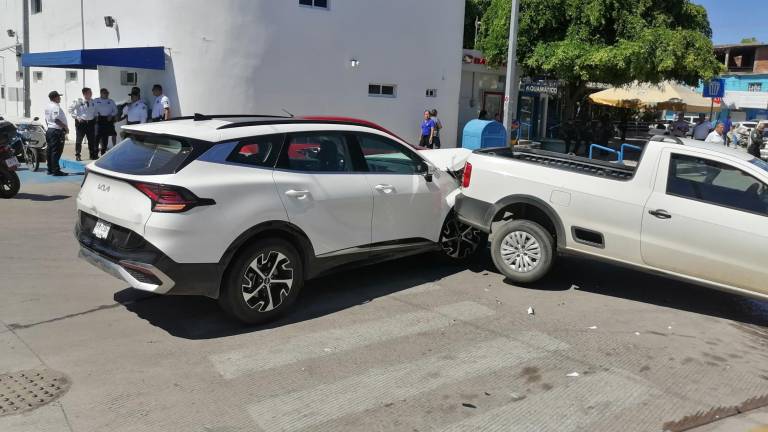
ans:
(465, 179)
(170, 199)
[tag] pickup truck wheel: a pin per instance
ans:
(522, 251)
(262, 282)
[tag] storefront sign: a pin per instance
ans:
(542, 88)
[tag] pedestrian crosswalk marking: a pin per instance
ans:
(575, 406)
(312, 407)
(256, 358)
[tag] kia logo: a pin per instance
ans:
(102, 187)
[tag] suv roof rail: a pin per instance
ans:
(667, 139)
(201, 117)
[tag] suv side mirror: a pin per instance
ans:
(36, 119)
(427, 171)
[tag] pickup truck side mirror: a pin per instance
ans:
(36, 119)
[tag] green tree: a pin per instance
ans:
(749, 40)
(475, 9)
(610, 41)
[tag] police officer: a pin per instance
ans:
(161, 108)
(135, 112)
(56, 122)
(106, 115)
(756, 140)
(84, 113)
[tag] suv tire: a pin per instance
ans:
(523, 251)
(262, 282)
(459, 241)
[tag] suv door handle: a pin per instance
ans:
(387, 188)
(300, 194)
(661, 214)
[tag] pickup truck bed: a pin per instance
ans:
(612, 170)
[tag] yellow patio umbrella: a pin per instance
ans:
(666, 95)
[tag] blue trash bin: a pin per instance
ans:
(483, 134)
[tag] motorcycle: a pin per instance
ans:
(29, 143)
(9, 180)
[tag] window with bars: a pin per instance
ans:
(384, 90)
(36, 6)
(322, 4)
(755, 87)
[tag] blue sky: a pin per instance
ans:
(733, 20)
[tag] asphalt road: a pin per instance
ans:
(418, 344)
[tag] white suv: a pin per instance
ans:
(246, 209)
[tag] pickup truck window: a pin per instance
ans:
(716, 183)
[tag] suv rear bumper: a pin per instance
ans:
(133, 259)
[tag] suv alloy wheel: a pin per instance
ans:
(263, 281)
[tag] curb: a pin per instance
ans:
(73, 165)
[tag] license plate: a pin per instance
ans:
(12, 162)
(101, 230)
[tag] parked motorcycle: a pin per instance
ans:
(9, 180)
(29, 143)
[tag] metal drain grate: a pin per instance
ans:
(30, 389)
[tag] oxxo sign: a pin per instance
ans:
(714, 88)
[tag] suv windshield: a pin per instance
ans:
(146, 155)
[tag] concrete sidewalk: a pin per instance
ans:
(752, 421)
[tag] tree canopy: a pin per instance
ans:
(749, 40)
(609, 41)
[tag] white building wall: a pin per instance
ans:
(12, 104)
(262, 56)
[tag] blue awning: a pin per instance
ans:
(143, 58)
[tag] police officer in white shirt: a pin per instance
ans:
(161, 108)
(84, 113)
(56, 122)
(135, 111)
(106, 115)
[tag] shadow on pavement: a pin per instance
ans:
(39, 197)
(615, 281)
(201, 317)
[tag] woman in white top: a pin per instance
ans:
(717, 136)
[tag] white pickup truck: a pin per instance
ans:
(687, 209)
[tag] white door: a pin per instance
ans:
(708, 220)
(405, 205)
(322, 194)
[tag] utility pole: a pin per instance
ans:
(27, 96)
(513, 80)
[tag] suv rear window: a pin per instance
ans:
(146, 155)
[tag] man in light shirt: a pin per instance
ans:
(161, 108)
(84, 113)
(702, 128)
(56, 122)
(135, 112)
(718, 135)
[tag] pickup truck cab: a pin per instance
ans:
(686, 209)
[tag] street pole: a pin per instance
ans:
(513, 84)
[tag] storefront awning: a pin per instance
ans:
(142, 58)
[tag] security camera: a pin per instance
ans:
(109, 21)
(11, 33)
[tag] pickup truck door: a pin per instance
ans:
(707, 218)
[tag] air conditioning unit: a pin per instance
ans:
(129, 78)
(431, 92)
(37, 76)
(71, 76)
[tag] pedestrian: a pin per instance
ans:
(56, 122)
(497, 117)
(604, 132)
(570, 135)
(106, 115)
(483, 115)
(702, 128)
(84, 113)
(717, 136)
(438, 127)
(680, 127)
(756, 140)
(728, 125)
(135, 112)
(161, 108)
(427, 130)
